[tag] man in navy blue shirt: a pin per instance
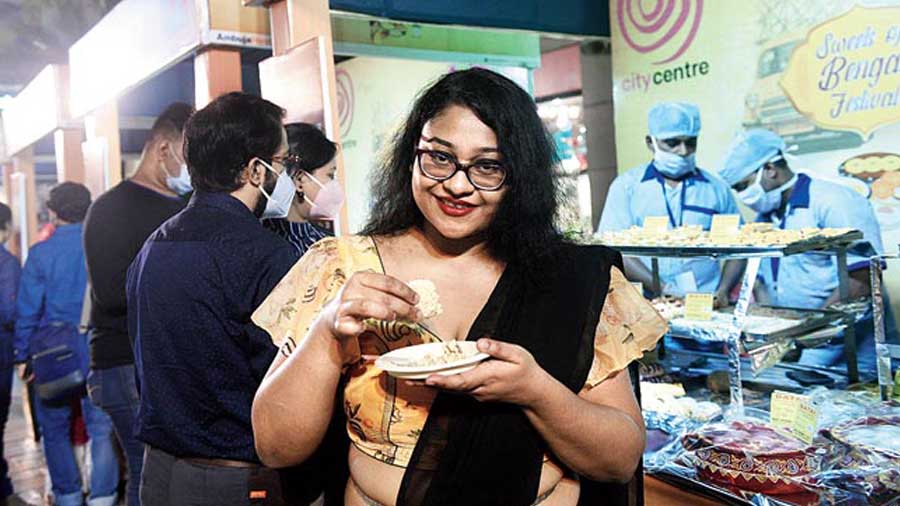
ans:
(191, 291)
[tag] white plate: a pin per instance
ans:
(407, 363)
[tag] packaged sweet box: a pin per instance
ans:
(871, 445)
(751, 456)
(870, 440)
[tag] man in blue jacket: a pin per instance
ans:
(52, 290)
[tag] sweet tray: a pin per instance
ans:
(735, 252)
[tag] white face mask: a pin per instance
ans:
(327, 202)
(180, 184)
(757, 198)
(672, 165)
(279, 203)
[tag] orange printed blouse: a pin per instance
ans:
(386, 416)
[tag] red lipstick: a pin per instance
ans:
(454, 208)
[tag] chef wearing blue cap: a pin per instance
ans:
(756, 169)
(672, 185)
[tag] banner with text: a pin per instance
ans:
(823, 74)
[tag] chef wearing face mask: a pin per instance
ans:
(318, 197)
(756, 169)
(672, 186)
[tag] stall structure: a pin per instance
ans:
(811, 433)
(733, 334)
(804, 435)
(137, 41)
(885, 351)
(40, 110)
(135, 44)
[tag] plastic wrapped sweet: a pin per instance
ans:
(670, 399)
(751, 456)
(854, 456)
(870, 440)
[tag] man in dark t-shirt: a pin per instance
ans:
(116, 227)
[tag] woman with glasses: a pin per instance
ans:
(466, 199)
(311, 165)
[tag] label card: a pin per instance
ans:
(698, 306)
(656, 225)
(725, 226)
(795, 413)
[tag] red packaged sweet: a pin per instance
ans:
(871, 440)
(751, 456)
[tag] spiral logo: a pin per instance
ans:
(647, 30)
(345, 101)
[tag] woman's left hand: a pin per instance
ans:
(511, 375)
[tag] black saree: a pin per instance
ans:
(472, 453)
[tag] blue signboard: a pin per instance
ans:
(580, 17)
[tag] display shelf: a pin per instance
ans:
(804, 321)
(820, 244)
(699, 363)
(834, 245)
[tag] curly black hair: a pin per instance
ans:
(523, 230)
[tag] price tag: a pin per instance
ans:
(656, 225)
(724, 226)
(807, 422)
(698, 306)
(795, 413)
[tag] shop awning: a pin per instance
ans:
(576, 17)
(580, 17)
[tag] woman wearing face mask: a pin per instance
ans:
(466, 199)
(672, 186)
(318, 198)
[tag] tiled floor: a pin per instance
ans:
(25, 457)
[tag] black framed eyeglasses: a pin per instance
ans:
(485, 175)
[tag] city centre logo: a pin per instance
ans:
(649, 30)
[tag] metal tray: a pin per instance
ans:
(716, 330)
(736, 252)
(686, 481)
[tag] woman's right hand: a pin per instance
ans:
(369, 295)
